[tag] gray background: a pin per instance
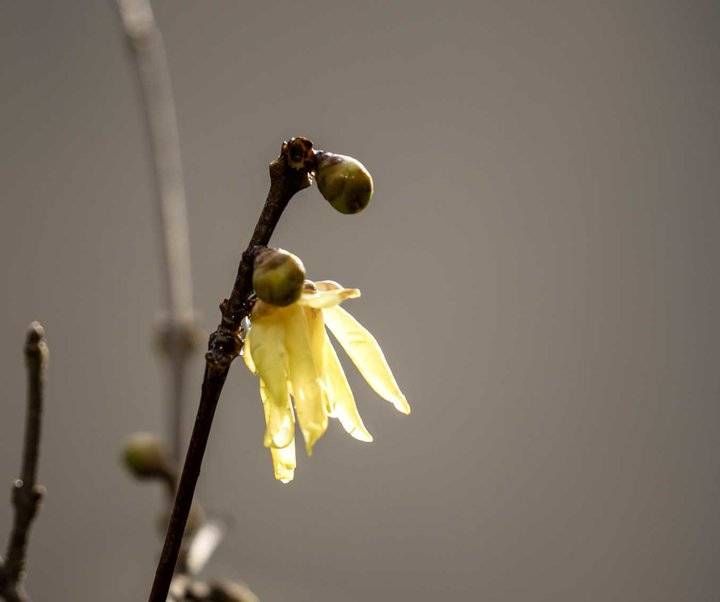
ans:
(539, 264)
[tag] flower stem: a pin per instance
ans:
(289, 174)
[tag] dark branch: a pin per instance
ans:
(289, 174)
(26, 493)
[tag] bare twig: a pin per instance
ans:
(178, 333)
(289, 174)
(26, 494)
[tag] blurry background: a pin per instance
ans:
(540, 265)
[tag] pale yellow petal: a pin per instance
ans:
(340, 395)
(328, 285)
(266, 344)
(365, 352)
(337, 395)
(316, 334)
(247, 357)
(303, 377)
(283, 458)
(327, 293)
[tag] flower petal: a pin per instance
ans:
(267, 349)
(337, 396)
(283, 458)
(247, 357)
(316, 334)
(365, 352)
(327, 293)
(341, 395)
(303, 377)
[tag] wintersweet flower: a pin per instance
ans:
(290, 351)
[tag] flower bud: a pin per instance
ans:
(278, 277)
(145, 456)
(344, 182)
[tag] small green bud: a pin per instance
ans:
(145, 456)
(278, 277)
(344, 182)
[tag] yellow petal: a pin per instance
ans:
(247, 356)
(365, 352)
(337, 395)
(340, 394)
(283, 458)
(316, 334)
(267, 349)
(303, 377)
(327, 293)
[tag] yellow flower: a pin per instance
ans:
(289, 349)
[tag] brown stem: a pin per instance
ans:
(26, 494)
(289, 174)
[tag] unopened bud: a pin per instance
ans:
(344, 182)
(278, 277)
(145, 456)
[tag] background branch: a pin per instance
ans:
(178, 337)
(289, 174)
(178, 333)
(26, 494)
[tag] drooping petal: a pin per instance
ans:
(283, 458)
(303, 377)
(316, 335)
(337, 395)
(327, 293)
(365, 352)
(267, 349)
(340, 394)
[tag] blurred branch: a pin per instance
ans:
(178, 334)
(287, 177)
(26, 494)
(289, 174)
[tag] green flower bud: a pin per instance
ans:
(145, 456)
(278, 277)
(344, 182)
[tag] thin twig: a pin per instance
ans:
(26, 494)
(289, 174)
(148, 48)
